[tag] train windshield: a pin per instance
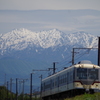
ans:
(84, 73)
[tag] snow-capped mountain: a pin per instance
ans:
(22, 50)
(22, 39)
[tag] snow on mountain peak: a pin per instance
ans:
(23, 38)
(83, 38)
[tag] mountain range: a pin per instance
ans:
(22, 50)
(22, 39)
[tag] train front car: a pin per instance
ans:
(87, 77)
(76, 79)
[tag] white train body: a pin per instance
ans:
(83, 75)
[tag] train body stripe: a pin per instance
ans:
(91, 84)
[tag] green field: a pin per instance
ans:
(95, 96)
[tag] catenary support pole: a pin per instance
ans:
(31, 86)
(73, 57)
(11, 88)
(98, 51)
(54, 67)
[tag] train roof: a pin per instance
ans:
(58, 73)
(85, 62)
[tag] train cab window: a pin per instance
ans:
(93, 74)
(81, 73)
(84, 73)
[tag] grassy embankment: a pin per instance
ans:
(95, 96)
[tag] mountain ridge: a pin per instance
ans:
(21, 39)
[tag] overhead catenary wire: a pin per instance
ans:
(78, 55)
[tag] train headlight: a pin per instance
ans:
(77, 84)
(96, 85)
(94, 66)
(80, 66)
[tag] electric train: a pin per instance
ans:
(76, 79)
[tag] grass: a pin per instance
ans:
(95, 96)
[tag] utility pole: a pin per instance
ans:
(19, 87)
(31, 86)
(16, 88)
(54, 67)
(73, 56)
(11, 85)
(23, 86)
(7, 89)
(41, 82)
(98, 51)
(41, 88)
(23, 81)
(11, 88)
(5, 81)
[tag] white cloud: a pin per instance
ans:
(88, 17)
(49, 4)
(66, 20)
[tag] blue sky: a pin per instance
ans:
(66, 21)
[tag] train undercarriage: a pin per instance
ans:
(67, 94)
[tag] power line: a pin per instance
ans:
(64, 63)
(74, 52)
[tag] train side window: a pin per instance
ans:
(71, 76)
(56, 82)
(47, 85)
(68, 77)
(74, 74)
(59, 80)
(52, 83)
(65, 78)
(62, 79)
